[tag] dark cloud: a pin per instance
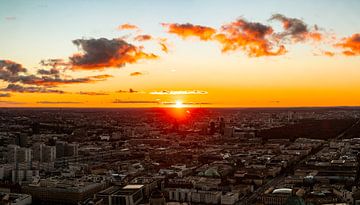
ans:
(5, 95)
(52, 71)
(101, 53)
(54, 63)
(14, 73)
(31, 89)
(9, 68)
(128, 91)
(296, 29)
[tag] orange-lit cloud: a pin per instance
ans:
(136, 73)
(179, 92)
(143, 38)
(296, 29)
(190, 30)
(251, 37)
(127, 26)
(351, 45)
(101, 53)
(164, 45)
(92, 93)
(329, 53)
(100, 77)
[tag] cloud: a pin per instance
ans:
(187, 103)
(329, 53)
(101, 53)
(296, 29)
(52, 71)
(164, 45)
(136, 73)
(143, 38)
(101, 77)
(31, 89)
(10, 18)
(15, 73)
(179, 92)
(10, 68)
(58, 102)
(135, 101)
(127, 26)
(128, 91)
(51, 81)
(55, 63)
(5, 95)
(189, 30)
(252, 37)
(11, 102)
(351, 45)
(92, 93)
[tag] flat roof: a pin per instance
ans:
(133, 186)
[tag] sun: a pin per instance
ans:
(179, 104)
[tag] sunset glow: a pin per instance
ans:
(218, 54)
(179, 104)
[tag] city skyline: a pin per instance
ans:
(179, 54)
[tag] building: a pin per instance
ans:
(55, 191)
(44, 153)
(16, 154)
(15, 199)
(127, 195)
(157, 198)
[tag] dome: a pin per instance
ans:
(282, 191)
(211, 172)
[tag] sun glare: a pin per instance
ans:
(178, 104)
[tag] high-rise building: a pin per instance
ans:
(21, 139)
(12, 153)
(222, 126)
(44, 153)
(18, 154)
(157, 198)
(60, 149)
(24, 154)
(49, 154)
(71, 149)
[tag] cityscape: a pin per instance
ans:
(194, 102)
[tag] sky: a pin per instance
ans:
(194, 53)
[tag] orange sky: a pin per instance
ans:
(284, 56)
